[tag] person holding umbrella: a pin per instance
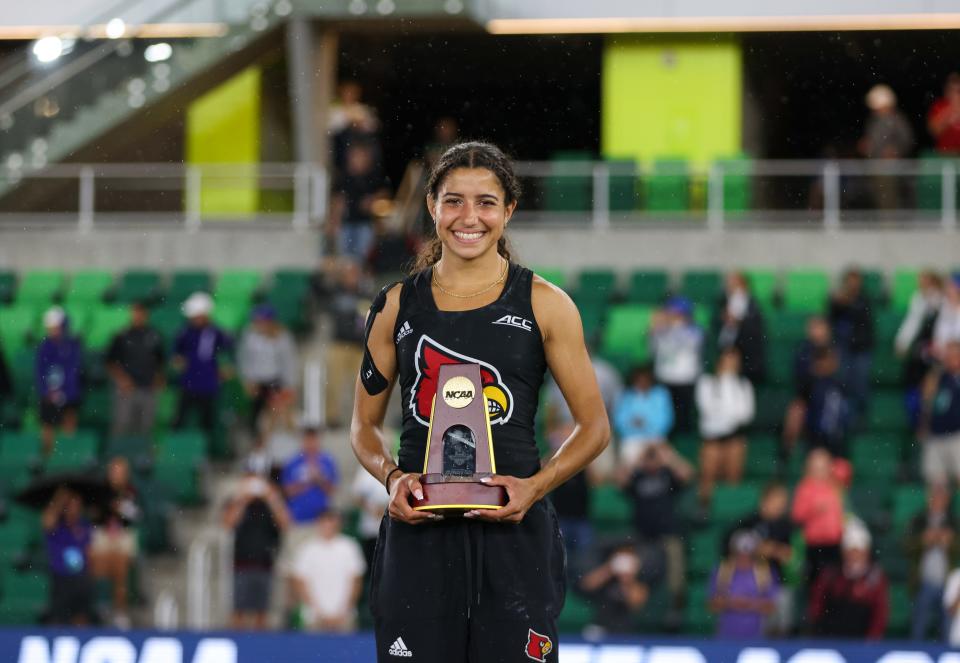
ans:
(68, 538)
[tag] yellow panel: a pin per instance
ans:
(672, 96)
(223, 127)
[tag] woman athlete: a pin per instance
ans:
(486, 587)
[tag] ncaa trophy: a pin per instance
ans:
(459, 446)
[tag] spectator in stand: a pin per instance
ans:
(743, 590)
(391, 251)
(738, 323)
(726, 406)
(356, 192)
(257, 516)
(943, 120)
(677, 345)
(819, 336)
(114, 547)
(887, 135)
(345, 350)
(818, 510)
(940, 424)
(915, 337)
(58, 365)
(135, 362)
(267, 362)
(947, 327)
(933, 548)
(309, 480)
(196, 355)
(850, 600)
(445, 133)
(774, 529)
(616, 590)
(371, 499)
(68, 537)
(851, 320)
(328, 573)
(822, 410)
(643, 415)
(350, 122)
(653, 488)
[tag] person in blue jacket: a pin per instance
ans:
(58, 363)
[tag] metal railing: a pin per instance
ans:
(813, 194)
(185, 194)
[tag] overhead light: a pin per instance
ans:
(115, 28)
(158, 52)
(48, 49)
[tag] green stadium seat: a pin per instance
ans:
(771, 403)
(105, 323)
(886, 411)
(697, 615)
(231, 317)
(908, 501)
(22, 367)
(297, 280)
(886, 325)
(887, 368)
(763, 285)
(77, 452)
(137, 450)
(88, 286)
(780, 358)
(688, 446)
(577, 613)
(806, 291)
(901, 610)
(903, 287)
(875, 456)
(704, 552)
(625, 333)
(291, 308)
(20, 447)
(874, 285)
(96, 409)
(237, 286)
(16, 537)
(623, 185)
(555, 276)
(569, 188)
(8, 285)
(596, 284)
(168, 321)
(24, 597)
(184, 446)
(787, 327)
(870, 500)
(702, 286)
(730, 502)
(17, 323)
(762, 456)
(649, 287)
(592, 315)
(610, 510)
(186, 282)
(39, 287)
(737, 183)
(666, 187)
(138, 285)
(178, 481)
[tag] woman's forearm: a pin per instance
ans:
(585, 443)
(369, 447)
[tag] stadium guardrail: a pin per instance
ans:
(815, 194)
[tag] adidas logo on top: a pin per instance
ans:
(404, 331)
(398, 648)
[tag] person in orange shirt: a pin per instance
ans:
(818, 510)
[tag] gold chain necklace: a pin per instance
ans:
(503, 273)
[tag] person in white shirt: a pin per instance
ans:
(676, 342)
(924, 306)
(328, 575)
(951, 605)
(726, 405)
(947, 327)
(372, 500)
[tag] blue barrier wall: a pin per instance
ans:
(91, 646)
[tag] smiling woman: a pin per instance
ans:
(466, 302)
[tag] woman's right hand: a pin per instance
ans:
(401, 490)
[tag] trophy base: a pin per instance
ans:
(457, 495)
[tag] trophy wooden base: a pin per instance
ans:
(457, 495)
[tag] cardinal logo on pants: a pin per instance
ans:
(430, 357)
(538, 646)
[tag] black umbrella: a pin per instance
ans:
(94, 490)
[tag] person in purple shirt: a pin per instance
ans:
(58, 362)
(197, 351)
(743, 591)
(68, 537)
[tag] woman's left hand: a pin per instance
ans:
(521, 493)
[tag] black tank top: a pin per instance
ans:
(503, 337)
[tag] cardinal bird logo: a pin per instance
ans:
(430, 357)
(538, 646)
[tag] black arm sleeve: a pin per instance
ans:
(371, 377)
